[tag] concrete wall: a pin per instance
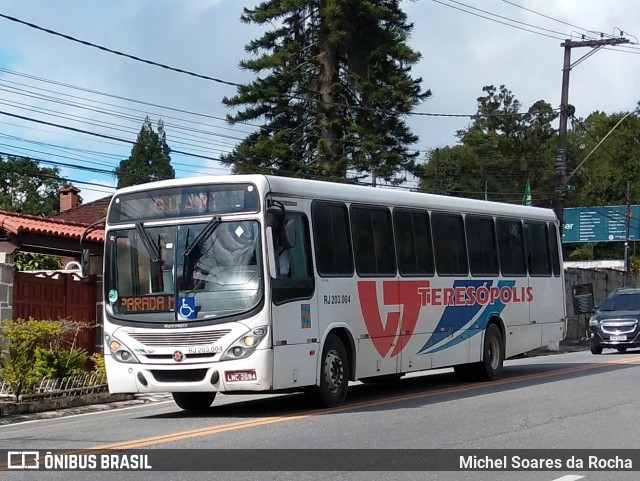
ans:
(6, 291)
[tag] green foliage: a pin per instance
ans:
(498, 153)
(29, 261)
(334, 87)
(33, 349)
(98, 363)
(150, 158)
(28, 188)
(583, 252)
(63, 363)
(602, 179)
(20, 339)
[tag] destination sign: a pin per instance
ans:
(149, 303)
(600, 224)
(184, 201)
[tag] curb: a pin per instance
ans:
(11, 408)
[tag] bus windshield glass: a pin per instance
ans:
(191, 272)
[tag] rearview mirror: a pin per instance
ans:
(85, 263)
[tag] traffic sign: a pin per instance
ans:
(600, 224)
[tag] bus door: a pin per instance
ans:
(294, 310)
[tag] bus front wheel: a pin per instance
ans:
(193, 401)
(334, 375)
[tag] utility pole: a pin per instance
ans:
(627, 266)
(566, 110)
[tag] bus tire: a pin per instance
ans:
(193, 401)
(595, 349)
(490, 368)
(332, 386)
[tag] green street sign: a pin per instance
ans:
(600, 224)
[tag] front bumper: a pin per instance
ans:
(193, 377)
(605, 339)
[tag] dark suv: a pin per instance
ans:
(615, 323)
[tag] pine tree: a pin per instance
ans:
(150, 158)
(334, 87)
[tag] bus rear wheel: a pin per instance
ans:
(334, 375)
(490, 368)
(193, 401)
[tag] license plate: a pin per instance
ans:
(236, 376)
(618, 338)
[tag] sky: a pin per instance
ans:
(47, 81)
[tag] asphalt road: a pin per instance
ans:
(571, 401)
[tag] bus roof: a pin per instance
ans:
(317, 189)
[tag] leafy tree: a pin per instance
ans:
(333, 89)
(498, 152)
(27, 187)
(30, 261)
(150, 158)
(602, 179)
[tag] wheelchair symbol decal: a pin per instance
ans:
(187, 308)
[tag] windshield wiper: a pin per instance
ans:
(152, 249)
(204, 233)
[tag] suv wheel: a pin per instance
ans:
(596, 349)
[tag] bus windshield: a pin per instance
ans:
(184, 273)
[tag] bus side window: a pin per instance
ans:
(295, 272)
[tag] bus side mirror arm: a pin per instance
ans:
(271, 253)
(85, 264)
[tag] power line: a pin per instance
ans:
(117, 52)
(506, 18)
(96, 134)
(497, 21)
(549, 18)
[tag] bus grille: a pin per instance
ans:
(179, 339)
(188, 375)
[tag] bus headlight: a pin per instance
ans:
(120, 352)
(245, 345)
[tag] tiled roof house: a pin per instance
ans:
(59, 234)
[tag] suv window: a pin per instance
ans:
(622, 301)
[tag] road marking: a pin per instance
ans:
(210, 430)
(569, 477)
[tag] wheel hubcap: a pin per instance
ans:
(333, 372)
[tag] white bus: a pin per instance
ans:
(252, 283)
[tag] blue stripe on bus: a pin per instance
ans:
(456, 318)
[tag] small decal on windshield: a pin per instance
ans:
(239, 231)
(187, 308)
(113, 296)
